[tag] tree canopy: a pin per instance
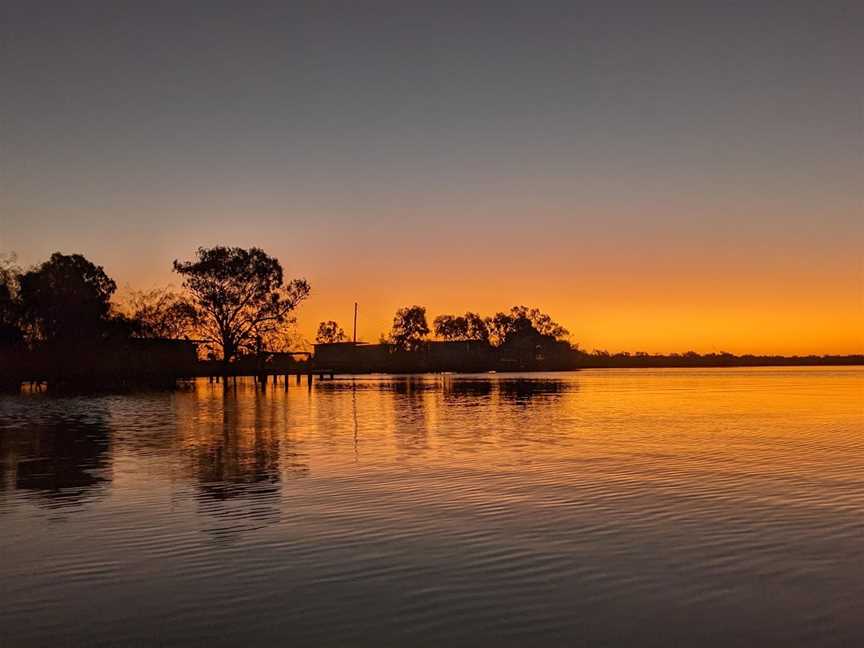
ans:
(161, 313)
(330, 332)
(409, 328)
(469, 326)
(496, 330)
(521, 319)
(239, 297)
(66, 298)
(10, 312)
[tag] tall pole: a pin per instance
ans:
(355, 322)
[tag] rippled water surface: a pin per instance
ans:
(607, 507)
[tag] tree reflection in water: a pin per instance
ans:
(62, 457)
(233, 452)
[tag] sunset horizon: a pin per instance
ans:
(702, 323)
(452, 323)
(654, 178)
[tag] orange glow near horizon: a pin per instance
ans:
(655, 180)
(670, 302)
(660, 326)
(621, 276)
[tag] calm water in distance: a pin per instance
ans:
(616, 507)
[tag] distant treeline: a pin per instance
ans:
(59, 320)
(521, 339)
(526, 352)
(599, 359)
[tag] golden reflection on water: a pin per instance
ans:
(227, 439)
(663, 426)
(530, 503)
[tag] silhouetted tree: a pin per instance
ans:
(10, 332)
(284, 338)
(68, 298)
(10, 310)
(239, 296)
(161, 313)
(465, 327)
(450, 327)
(499, 325)
(329, 332)
(9, 271)
(544, 324)
(409, 328)
(476, 326)
(520, 319)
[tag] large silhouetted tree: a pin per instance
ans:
(409, 328)
(239, 296)
(330, 332)
(67, 298)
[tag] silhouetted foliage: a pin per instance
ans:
(68, 298)
(519, 320)
(544, 324)
(9, 272)
(603, 358)
(329, 332)
(57, 323)
(477, 329)
(10, 332)
(10, 308)
(284, 338)
(450, 327)
(239, 296)
(409, 328)
(161, 313)
(499, 325)
(460, 328)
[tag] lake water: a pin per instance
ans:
(648, 507)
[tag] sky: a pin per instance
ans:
(658, 176)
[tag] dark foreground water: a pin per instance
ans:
(689, 507)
